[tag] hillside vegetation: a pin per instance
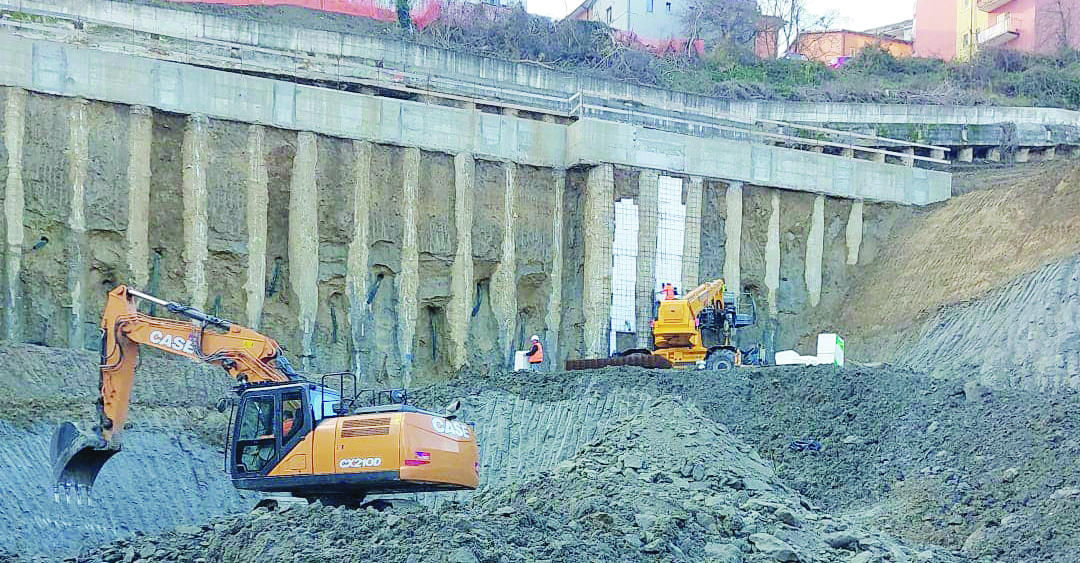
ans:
(993, 77)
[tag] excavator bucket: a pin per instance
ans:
(637, 360)
(78, 457)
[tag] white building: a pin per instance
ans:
(652, 19)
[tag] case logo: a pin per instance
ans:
(450, 427)
(175, 342)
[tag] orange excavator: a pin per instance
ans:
(695, 330)
(286, 434)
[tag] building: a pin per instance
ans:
(935, 29)
(1034, 26)
(653, 19)
(654, 22)
(830, 47)
(1037, 26)
(970, 20)
(904, 30)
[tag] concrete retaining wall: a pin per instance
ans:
(467, 74)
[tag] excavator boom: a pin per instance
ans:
(244, 354)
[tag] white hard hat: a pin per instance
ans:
(536, 338)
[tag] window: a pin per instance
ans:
(292, 415)
(649, 6)
(255, 445)
(257, 420)
(668, 7)
(608, 14)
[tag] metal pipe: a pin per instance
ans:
(136, 293)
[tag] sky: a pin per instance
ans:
(856, 15)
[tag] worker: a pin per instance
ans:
(536, 354)
(287, 423)
(668, 290)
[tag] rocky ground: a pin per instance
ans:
(910, 468)
(945, 462)
(668, 484)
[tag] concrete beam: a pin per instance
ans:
(994, 155)
(599, 222)
(937, 153)
(648, 216)
(553, 317)
(908, 160)
(691, 256)
(504, 280)
(877, 157)
(815, 251)
(140, 138)
(304, 243)
(356, 265)
(965, 154)
(772, 253)
(258, 201)
(854, 232)
(847, 153)
(408, 280)
(195, 156)
(733, 236)
(1023, 154)
(14, 201)
(1050, 153)
(78, 153)
(188, 89)
(462, 288)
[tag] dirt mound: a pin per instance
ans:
(665, 485)
(929, 460)
(963, 248)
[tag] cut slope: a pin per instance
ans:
(962, 249)
(1024, 334)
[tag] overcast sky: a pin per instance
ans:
(856, 15)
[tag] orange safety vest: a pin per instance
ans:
(538, 357)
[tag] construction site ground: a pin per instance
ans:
(951, 436)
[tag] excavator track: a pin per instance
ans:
(635, 360)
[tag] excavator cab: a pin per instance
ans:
(270, 422)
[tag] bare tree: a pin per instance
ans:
(795, 18)
(1064, 27)
(722, 22)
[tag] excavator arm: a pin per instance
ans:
(244, 354)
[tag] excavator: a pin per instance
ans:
(287, 435)
(695, 330)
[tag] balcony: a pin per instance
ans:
(991, 5)
(1006, 29)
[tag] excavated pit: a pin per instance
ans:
(979, 290)
(902, 453)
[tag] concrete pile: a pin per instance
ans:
(667, 484)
